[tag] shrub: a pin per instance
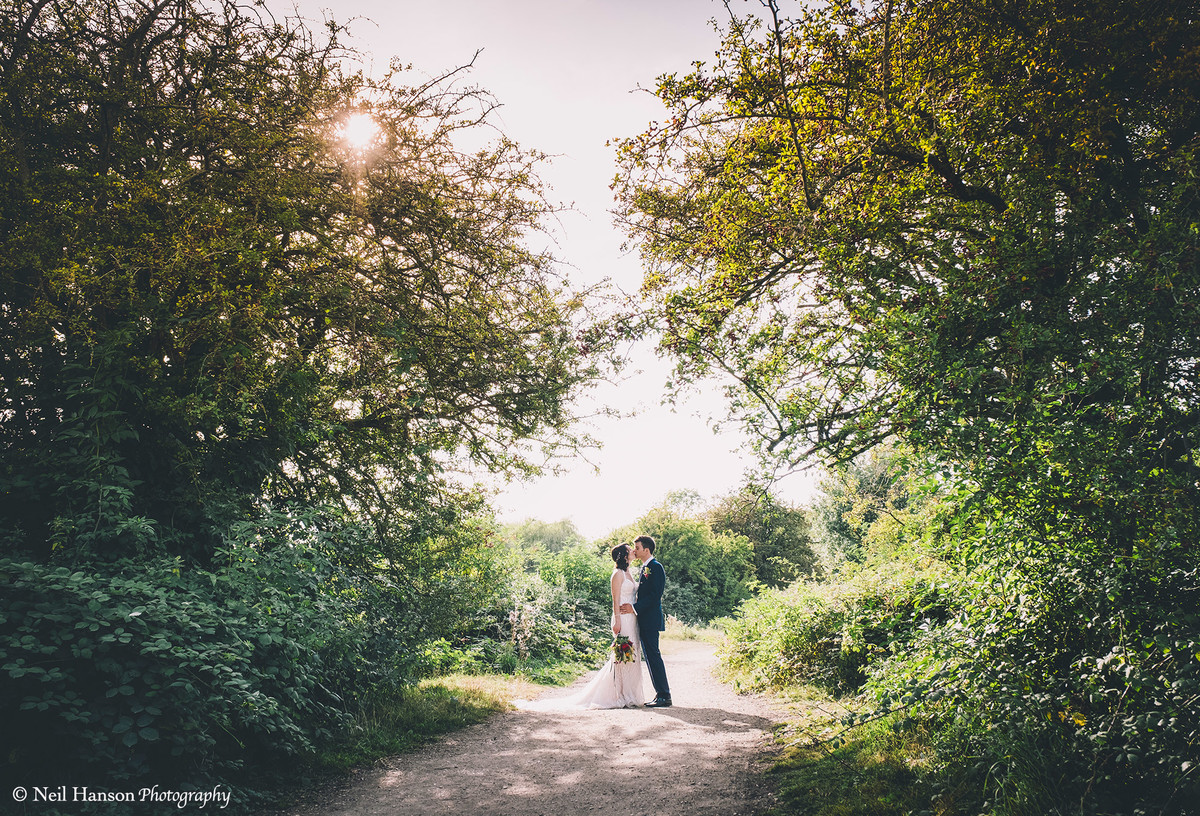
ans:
(154, 670)
(584, 577)
(1070, 685)
(826, 634)
(147, 671)
(532, 620)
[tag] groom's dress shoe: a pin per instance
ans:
(661, 702)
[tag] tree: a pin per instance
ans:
(535, 539)
(244, 361)
(971, 225)
(708, 573)
(210, 297)
(778, 533)
(968, 225)
(854, 496)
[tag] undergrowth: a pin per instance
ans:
(882, 771)
(427, 710)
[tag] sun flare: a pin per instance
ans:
(359, 131)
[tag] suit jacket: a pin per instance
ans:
(649, 596)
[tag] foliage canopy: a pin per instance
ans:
(971, 225)
(209, 296)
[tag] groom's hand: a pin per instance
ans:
(627, 609)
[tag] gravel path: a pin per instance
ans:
(705, 755)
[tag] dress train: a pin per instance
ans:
(616, 685)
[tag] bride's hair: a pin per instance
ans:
(620, 554)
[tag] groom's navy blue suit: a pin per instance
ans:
(648, 607)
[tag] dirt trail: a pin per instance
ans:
(705, 755)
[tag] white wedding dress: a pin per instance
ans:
(617, 685)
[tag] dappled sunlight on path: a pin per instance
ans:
(706, 755)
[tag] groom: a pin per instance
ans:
(648, 608)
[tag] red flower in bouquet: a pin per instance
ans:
(622, 650)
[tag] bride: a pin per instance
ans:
(617, 685)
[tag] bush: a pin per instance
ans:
(154, 670)
(146, 671)
(584, 576)
(1070, 686)
(535, 622)
(827, 634)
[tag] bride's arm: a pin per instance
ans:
(615, 586)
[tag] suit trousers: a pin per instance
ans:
(654, 662)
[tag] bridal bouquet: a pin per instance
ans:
(622, 650)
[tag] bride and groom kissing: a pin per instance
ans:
(638, 617)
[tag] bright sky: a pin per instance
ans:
(566, 74)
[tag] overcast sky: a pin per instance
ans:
(566, 73)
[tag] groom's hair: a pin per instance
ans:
(647, 542)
